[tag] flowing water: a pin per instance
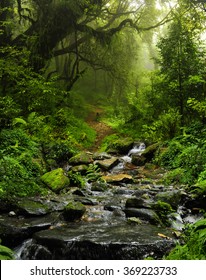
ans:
(104, 231)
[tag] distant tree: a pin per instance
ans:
(181, 65)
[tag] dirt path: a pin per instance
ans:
(101, 128)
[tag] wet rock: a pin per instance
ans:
(111, 206)
(12, 214)
(137, 203)
(78, 192)
(29, 207)
(74, 210)
(118, 178)
(56, 180)
(85, 201)
(81, 158)
(80, 169)
(101, 156)
(134, 220)
(99, 187)
(14, 230)
(107, 164)
(175, 221)
(171, 197)
(93, 241)
(144, 214)
(121, 146)
(150, 151)
(138, 160)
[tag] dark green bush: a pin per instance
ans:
(195, 243)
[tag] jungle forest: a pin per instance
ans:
(102, 129)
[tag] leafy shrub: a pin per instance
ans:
(166, 127)
(175, 176)
(16, 180)
(76, 179)
(109, 141)
(21, 164)
(195, 243)
(199, 188)
(168, 155)
(93, 173)
(16, 141)
(8, 110)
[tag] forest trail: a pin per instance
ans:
(102, 129)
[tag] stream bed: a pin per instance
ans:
(119, 222)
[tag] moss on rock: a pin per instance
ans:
(74, 210)
(81, 158)
(56, 180)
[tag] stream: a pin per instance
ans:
(119, 223)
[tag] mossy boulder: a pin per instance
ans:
(81, 158)
(73, 211)
(172, 197)
(56, 180)
(138, 160)
(120, 146)
(29, 207)
(150, 151)
(107, 164)
(6, 253)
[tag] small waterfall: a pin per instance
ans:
(137, 149)
(22, 248)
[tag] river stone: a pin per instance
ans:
(94, 241)
(135, 202)
(56, 180)
(107, 164)
(118, 178)
(14, 230)
(81, 158)
(171, 197)
(74, 210)
(138, 160)
(80, 169)
(121, 146)
(150, 151)
(29, 207)
(144, 214)
(101, 156)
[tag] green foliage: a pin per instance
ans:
(21, 164)
(17, 179)
(6, 253)
(169, 153)
(8, 110)
(199, 107)
(166, 127)
(195, 244)
(185, 156)
(106, 143)
(76, 179)
(176, 176)
(199, 188)
(93, 173)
